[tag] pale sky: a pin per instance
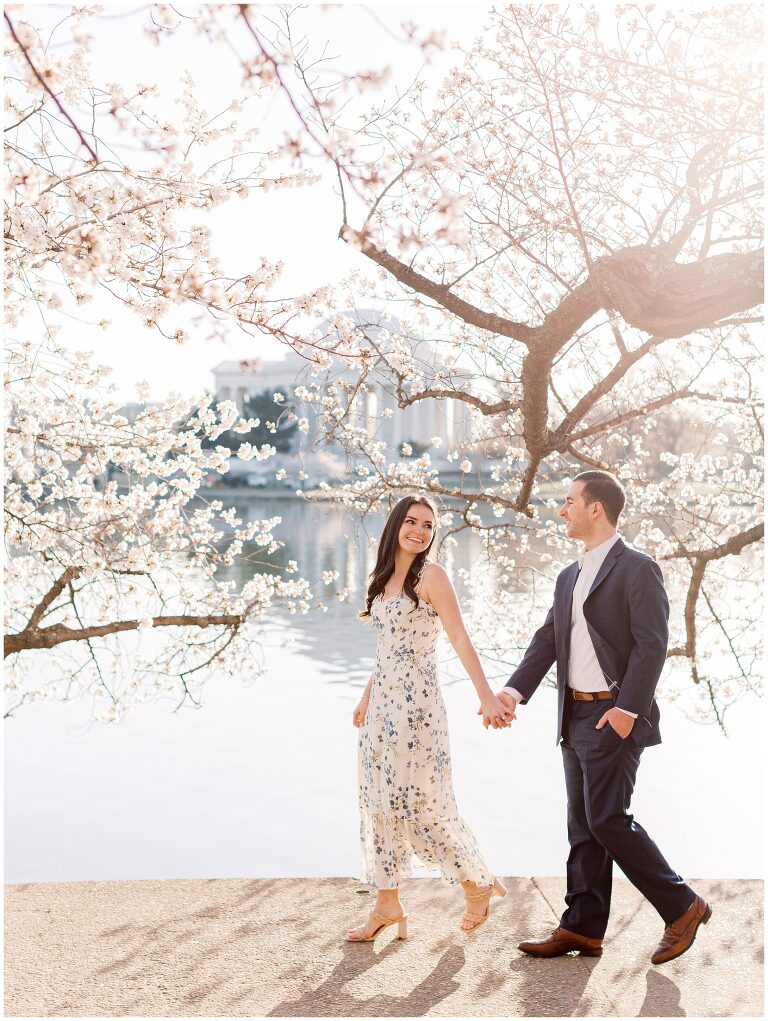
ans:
(297, 225)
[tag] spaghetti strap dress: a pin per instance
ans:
(407, 804)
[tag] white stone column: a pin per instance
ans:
(425, 421)
(406, 424)
(450, 424)
(372, 409)
(390, 426)
(463, 423)
(439, 421)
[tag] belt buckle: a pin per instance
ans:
(589, 696)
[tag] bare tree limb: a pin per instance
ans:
(732, 547)
(56, 634)
(476, 402)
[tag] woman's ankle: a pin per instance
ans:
(388, 902)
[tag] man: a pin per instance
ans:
(607, 631)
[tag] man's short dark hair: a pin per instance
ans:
(602, 487)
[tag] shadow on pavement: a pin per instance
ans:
(662, 997)
(556, 987)
(332, 998)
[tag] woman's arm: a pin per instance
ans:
(438, 590)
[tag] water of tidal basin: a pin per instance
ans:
(261, 781)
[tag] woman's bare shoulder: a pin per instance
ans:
(433, 571)
(434, 579)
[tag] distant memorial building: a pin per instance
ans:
(449, 419)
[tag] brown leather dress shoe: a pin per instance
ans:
(562, 941)
(680, 934)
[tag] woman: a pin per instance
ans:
(407, 804)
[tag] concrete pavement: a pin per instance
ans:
(274, 947)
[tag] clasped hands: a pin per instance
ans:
(498, 711)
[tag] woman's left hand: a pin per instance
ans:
(496, 713)
(358, 716)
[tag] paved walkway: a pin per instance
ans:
(272, 947)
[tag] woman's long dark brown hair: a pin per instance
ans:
(388, 544)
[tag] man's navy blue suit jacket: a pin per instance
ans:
(627, 614)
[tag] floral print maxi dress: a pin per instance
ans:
(407, 804)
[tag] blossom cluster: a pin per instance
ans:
(106, 533)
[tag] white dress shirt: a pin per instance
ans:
(584, 672)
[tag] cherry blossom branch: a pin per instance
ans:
(700, 560)
(56, 634)
(51, 595)
(648, 289)
(438, 292)
(648, 408)
(684, 232)
(46, 88)
(31, 113)
(275, 65)
(555, 146)
(499, 408)
(562, 433)
(732, 547)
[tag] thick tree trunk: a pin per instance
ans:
(669, 299)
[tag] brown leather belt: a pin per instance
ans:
(590, 696)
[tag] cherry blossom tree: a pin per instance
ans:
(108, 541)
(574, 214)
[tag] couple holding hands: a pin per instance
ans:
(607, 633)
